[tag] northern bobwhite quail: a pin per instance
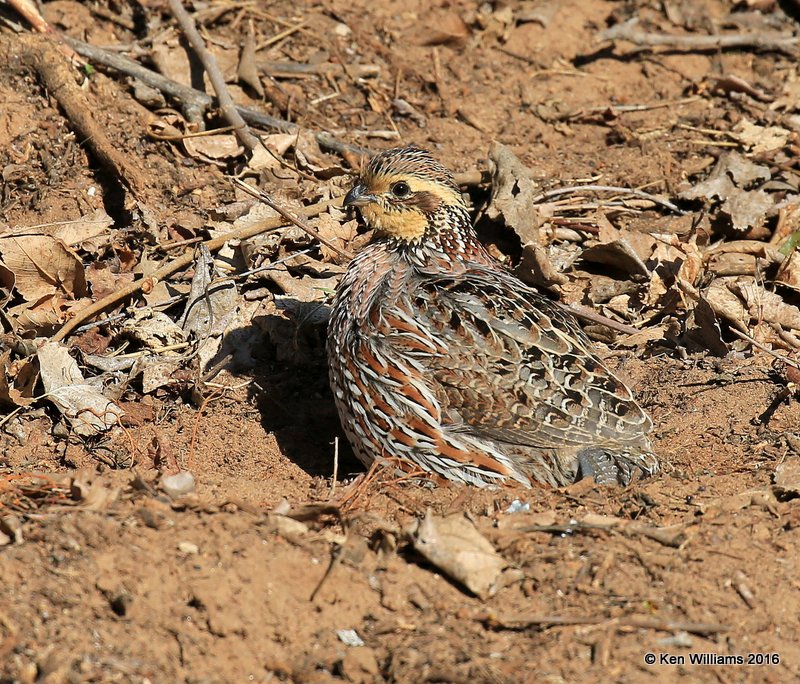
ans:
(441, 359)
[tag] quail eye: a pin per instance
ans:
(401, 189)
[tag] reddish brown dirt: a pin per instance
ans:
(213, 589)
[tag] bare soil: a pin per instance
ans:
(120, 583)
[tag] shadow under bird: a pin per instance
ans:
(441, 360)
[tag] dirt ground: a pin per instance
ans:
(271, 570)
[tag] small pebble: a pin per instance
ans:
(283, 507)
(677, 640)
(342, 30)
(516, 506)
(188, 548)
(178, 485)
(349, 637)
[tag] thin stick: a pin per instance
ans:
(640, 621)
(629, 31)
(280, 36)
(336, 555)
(199, 101)
(27, 10)
(587, 314)
(181, 262)
(624, 109)
(335, 465)
(575, 189)
(690, 290)
(226, 105)
(766, 350)
(289, 216)
(9, 416)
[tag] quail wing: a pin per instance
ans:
(517, 369)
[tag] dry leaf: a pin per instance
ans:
(338, 232)
(104, 281)
(732, 264)
(279, 143)
(454, 545)
(726, 304)
(535, 268)
(789, 272)
(747, 209)
(764, 305)
(17, 380)
(681, 259)
(787, 478)
(208, 306)
(44, 316)
(759, 139)
(260, 249)
(642, 244)
(445, 28)
(212, 307)
(172, 60)
(91, 492)
(619, 255)
(541, 13)
(513, 191)
(216, 149)
(156, 371)
(89, 232)
(728, 181)
(309, 156)
(84, 405)
(731, 171)
(42, 265)
(6, 284)
(789, 99)
(706, 331)
(153, 329)
(641, 339)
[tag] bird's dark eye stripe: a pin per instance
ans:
(401, 189)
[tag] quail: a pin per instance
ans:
(443, 361)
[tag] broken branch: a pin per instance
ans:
(44, 57)
(227, 108)
(629, 31)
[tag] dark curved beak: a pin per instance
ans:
(358, 196)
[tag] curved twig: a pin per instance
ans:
(226, 105)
